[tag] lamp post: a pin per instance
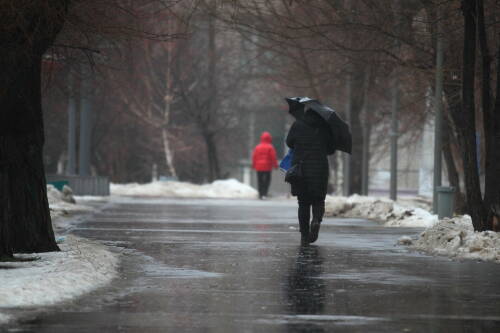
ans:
(85, 125)
(394, 139)
(394, 133)
(346, 165)
(71, 167)
(438, 104)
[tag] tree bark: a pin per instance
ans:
(356, 105)
(169, 154)
(213, 160)
(21, 147)
(5, 209)
(365, 174)
(490, 123)
(367, 129)
(493, 172)
(465, 119)
(212, 157)
(453, 175)
(25, 224)
(168, 98)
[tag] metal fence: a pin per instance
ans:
(84, 185)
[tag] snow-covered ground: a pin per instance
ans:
(62, 203)
(454, 237)
(386, 211)
(229, 188)
(4, 318)
(80, 266)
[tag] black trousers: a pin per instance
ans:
(305, 205)
(263, 182)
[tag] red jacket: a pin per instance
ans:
(264, 155)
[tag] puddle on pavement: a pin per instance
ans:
(337, 319)
(166, 272)
(377, 277)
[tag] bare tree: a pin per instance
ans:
(329, 47)
(207, 82)
(28, 30)
(482, 210)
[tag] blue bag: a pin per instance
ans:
(286, 162)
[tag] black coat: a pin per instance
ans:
(312, 142)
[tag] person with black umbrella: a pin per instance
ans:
(313, 136)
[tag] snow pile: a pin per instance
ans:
(391, 213)
(63, 202)
(56, 196)
(405, 240)
(416, 201)
(456, 238)
(449, 237)
(3, 318)
(230, 188)
(80, 267)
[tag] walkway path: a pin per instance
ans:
(236, 266)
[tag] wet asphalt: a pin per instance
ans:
(236, 266)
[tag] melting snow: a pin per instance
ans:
(449, 237)
(456, 238)
(62, 202)
(391, 213)
(80, 267)
(4, 318)
(230, 188)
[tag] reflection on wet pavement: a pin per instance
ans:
(236, 266)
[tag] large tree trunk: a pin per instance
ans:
(25, 205)
(169, 154)
(5, 242)
(465, 119)
(25, 224)
(493, 171)
(168, 98)
(491, 122)
(213, 160)
(453, 175)
(356, 107)
(212, 157)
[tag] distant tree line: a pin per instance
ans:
(373, 54)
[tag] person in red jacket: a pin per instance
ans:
(263, 161)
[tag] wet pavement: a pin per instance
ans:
(236, 266)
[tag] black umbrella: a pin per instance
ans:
(296, 106)
(339, 128)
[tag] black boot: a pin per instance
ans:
(304, 215)
(318, 210)
(304, 232)
(313, 236)
(304, 236)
